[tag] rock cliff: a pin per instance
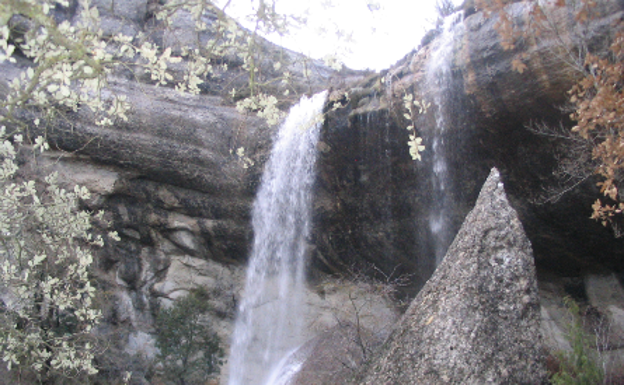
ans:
(169, 178)
(173, 187)
(373, 200)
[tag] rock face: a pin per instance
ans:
(181, 199)
(368, 199)
(476, 321)
(374, 200)
(169, 178)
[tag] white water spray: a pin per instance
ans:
(268, 325)
(439, 77)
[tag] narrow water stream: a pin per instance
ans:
(439, 78)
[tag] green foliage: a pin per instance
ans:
(47, 311)
(189, 350)
(71, 63)
(265, 105)
(414, 108)
(580, 366)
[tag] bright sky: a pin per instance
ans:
(378, 33)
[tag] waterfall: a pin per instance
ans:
(439, 78)
(269, 320)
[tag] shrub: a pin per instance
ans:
(596, 99)
(46, 295)
(581, 365)
(189, 350)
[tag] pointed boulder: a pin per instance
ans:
(477, 320)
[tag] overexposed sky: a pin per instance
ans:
(376, 32)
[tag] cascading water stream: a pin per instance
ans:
(439, 78)
(268, 325)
